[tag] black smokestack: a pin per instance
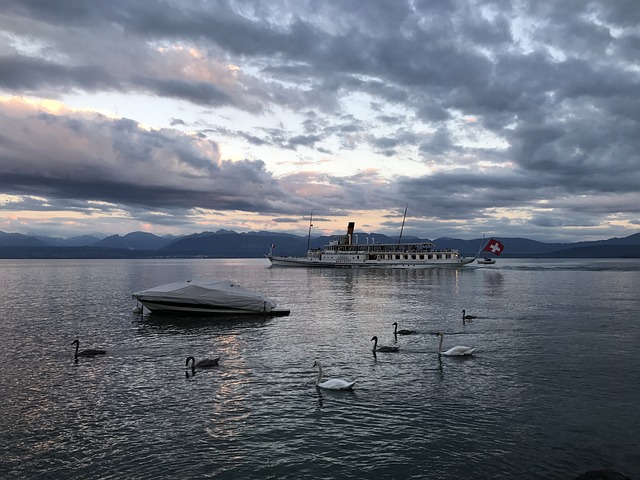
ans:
(350, 228)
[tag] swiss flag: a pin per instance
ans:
(494, 246)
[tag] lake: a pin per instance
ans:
(551, 391)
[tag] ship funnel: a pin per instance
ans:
(350, 229)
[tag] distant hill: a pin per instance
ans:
(81, 241)
(19, 240)
(71, 252)
(597, 251)
(230, 244)
(513, 247)
(135, 241)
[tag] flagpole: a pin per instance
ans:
(481, 246)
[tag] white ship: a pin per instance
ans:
(345, 252)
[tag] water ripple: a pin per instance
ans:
(541, 398)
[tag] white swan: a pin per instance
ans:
(382, 348)
(204, 363)
(467, 317)
(90, 352)
(332, 383)
(458, 350)
(401, 332)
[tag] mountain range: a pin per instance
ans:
(230, 244)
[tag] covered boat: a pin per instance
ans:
(206, 296)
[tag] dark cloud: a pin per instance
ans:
(523, 114)
(118, 161)
(303, 140)
(25, 73)
(196, 92)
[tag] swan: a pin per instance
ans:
(401, 332)
(383, 348)
(453, 351)
(89, 352)
(332, 383)
(467, 317)
(204, 363)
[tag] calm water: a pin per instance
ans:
(552, 391)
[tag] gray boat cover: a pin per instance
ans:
(212, 292)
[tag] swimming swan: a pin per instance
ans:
(401, 332)
(467, 317)
(383, 348)
(204, 363)
(332, 383)
(89, 352)
(453, 351)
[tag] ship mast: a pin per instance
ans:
(403, 219)
(310, 225)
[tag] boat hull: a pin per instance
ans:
(486, 261)
(355, 263)
(173, 307)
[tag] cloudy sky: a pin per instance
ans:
(510, 118)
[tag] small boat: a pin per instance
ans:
(345, 252)
(211, 296)
(486, 261)
(492, 246)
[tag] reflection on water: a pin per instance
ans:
(179, 323)
(494, 282)
(540, 398)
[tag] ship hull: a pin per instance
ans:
(283, 261)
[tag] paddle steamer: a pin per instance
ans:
(345, 252)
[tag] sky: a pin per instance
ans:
(504, 118)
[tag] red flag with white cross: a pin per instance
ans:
(494, 246)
